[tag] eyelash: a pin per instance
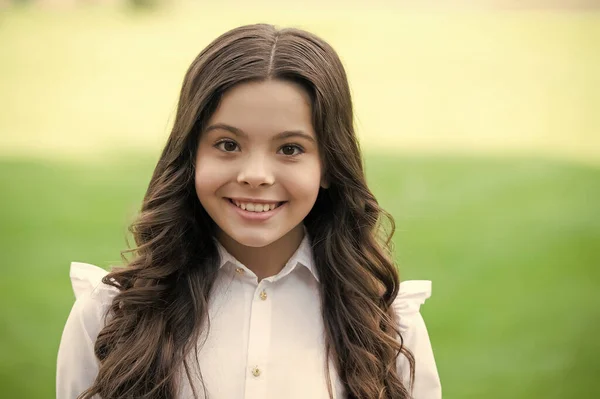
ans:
(296, 146)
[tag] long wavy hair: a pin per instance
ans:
(156, 319)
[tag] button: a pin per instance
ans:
(239, 270)
(263, 295)
(255, 371)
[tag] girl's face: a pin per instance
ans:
(259, 152)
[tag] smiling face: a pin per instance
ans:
(259, 152)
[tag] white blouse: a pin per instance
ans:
(266, 339)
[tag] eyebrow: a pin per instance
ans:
(238, 132)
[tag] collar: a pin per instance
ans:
(303, 256)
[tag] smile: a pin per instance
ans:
(255, 211)
(255, 207)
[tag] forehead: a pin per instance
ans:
(265, 107)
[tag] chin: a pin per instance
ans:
(253, 240)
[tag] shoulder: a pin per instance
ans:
(77, 365)
(412, 294)
(93, 297)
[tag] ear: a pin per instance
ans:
(324, 183)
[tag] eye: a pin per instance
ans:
(290, 150)
(226, 145)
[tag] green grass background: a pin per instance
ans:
(481, 136)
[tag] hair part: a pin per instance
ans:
(157, 318)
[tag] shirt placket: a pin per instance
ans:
(259, 341)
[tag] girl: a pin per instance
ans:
(258, 272)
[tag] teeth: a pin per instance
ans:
(247, 206)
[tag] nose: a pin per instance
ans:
(256, 172)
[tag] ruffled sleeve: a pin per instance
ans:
(77, 365)
(411, 296)
(85, 277)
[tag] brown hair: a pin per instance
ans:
(156, 318)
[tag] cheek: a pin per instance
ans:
(304, 182)
(208, 177)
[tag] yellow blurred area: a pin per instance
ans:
(88, 80)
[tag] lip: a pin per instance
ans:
(254, 200)
(255, 216)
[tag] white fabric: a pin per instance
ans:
(282, 334)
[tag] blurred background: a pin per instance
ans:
(480, 123)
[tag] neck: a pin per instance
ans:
(264, 261)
